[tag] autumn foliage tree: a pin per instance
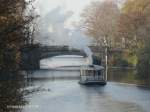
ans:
(130, 23)
(134, 22)
(134, 26)
(100, 21)
(15, 31)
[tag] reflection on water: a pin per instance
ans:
(123, 75)
(55, 74)
(115, 75)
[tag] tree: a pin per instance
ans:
(15, 31)
(134, 22)
(100, 21)
(144, 62)
(134, 26)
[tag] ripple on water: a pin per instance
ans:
(69, 96)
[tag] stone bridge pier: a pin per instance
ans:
(30, 56)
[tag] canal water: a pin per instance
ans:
(58, 90)
(64, 94)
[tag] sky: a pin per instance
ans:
(74, 6)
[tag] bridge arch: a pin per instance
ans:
(64, 61)
(58, 53)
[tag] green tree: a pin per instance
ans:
(144, 62)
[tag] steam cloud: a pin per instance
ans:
(53, 31)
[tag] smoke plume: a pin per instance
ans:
(54, 31)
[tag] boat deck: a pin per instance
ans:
(89, 82)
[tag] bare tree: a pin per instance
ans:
(100, 21)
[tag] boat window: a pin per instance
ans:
(99, 72)
(90, 72)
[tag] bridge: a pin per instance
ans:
(32, 54)
(50, 51)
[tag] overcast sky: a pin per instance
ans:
(56, 19)
(75, 6)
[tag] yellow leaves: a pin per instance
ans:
(17, 58)
(3, 18)
(134, 19)
(134, 6)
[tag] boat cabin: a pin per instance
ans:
(93, 74)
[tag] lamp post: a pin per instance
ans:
(106, 58)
